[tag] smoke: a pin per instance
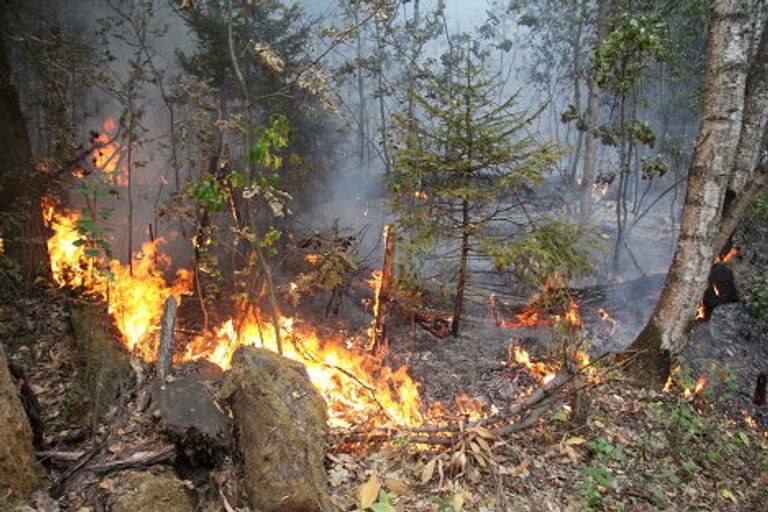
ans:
(346, 157)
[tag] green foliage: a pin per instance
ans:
(461, 159)
(760, 207)
(598, 480)
(603, 450)
(553, 255)
(93, 234)
(382, 504)
(214, 193)
(269, 141)
(653, 167)
(641, 132)
(635, 42)
(758, 296)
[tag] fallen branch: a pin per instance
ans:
(138, 458)
(60, 458)
(528, 412)
(84, 462)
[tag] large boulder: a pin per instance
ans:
(282, 427)
(20, 472)
(136, 491)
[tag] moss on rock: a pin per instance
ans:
(136, 491)
(282, 432)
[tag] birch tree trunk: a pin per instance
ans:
(714, 153)
(749, 172)
(592, 116)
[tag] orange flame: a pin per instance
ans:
(688, 392)
(701, 383)
(540, 370)
(108, 158)
(134, 299)
(605, 316)
(728, 256)
(357, 385)
(531, 317)
(527, 318)
(749, 420)
(69, 264)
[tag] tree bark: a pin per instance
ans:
(384, 298)
(458, 304)
(592, 115)
(665, 334)
(21, 186)
(19, 470)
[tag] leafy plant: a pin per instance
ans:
(592, 488)
(758, 296)
(93, 234)
(760, 207)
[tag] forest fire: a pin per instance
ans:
(356, 385)
(134, 294)
(727, 256)
(688, 391)
(540, 370)
(536, 316)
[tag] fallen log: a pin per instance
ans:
(108, 369)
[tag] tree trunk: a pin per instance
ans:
(19, 470)
(754, 120)
(21, 187)
(665, 334)
(384, 297)
(458, 303)
(593, 111)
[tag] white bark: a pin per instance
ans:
(714, 154)
(755, 117)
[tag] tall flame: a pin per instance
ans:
(358, 386)
(135, 299)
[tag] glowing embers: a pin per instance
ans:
(539, 316)
(727, 256)
(721, 287)
(679, 382)
(605, 316)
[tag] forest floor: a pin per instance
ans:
(637, 450)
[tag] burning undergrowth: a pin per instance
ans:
(357, 385)
(360, 387)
